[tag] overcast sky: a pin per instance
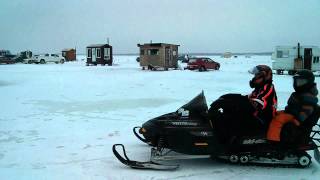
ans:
(197, 25)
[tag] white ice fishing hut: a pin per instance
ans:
(294, 58)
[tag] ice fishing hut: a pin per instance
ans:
(69, 54)
(294, 58)
(158, 56)
(99, 54)
(227, 55)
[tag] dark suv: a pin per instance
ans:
(202, 64)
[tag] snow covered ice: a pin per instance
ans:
(59, 121)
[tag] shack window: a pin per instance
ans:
(316, 59)
(98, 53)
(283, 54)
(174, 52)
(153, 52)
(88, 52)
(142, 51)
(106, 53)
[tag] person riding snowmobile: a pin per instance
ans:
(301, 106)
(263, 97)
(234, 116)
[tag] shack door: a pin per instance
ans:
(307, 58)
(167, 57)
(107, 54)
(94, 58)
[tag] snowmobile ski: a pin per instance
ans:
(140, 165)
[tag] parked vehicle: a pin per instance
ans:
(42, 59)
(22, 56)
(183, 58)
(6, 57)
(202, 64)
(6, 60)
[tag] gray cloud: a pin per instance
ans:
(197, 25)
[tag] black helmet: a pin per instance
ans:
(260, 71)
(303, 81)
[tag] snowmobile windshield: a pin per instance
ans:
(197, 104)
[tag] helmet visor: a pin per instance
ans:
(254, 71)
(299, 82)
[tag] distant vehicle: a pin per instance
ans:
(6, 60)
(6, 57)
(6, 53)
(23, 55)
(202, 64)
(42, 59)
(183, 58)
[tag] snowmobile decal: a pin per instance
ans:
(178, 123)
(254, 141)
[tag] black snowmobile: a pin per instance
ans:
(193, 131)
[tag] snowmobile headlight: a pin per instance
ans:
(142, 130)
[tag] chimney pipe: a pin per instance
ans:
(299, 50)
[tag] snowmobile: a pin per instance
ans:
(194, 131)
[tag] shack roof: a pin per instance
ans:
(156, 44)
(68, 49)
(97, 45)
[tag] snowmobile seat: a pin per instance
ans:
(232, 116)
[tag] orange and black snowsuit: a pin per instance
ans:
(300, 107)
(264, 99)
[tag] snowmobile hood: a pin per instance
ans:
(197, 104)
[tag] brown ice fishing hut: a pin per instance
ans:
(99, 54)
(69, 54)
(158, 55)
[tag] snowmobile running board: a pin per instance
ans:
(140, 165)
(163, 156)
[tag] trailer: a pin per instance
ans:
(294, 58)
(158, 56)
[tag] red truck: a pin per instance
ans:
(202, 64)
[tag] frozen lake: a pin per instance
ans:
(59, 121)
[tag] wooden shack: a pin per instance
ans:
(158, 56)
(99, 54)
(69, 54)
(227, 55)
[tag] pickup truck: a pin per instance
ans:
(42, 59)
